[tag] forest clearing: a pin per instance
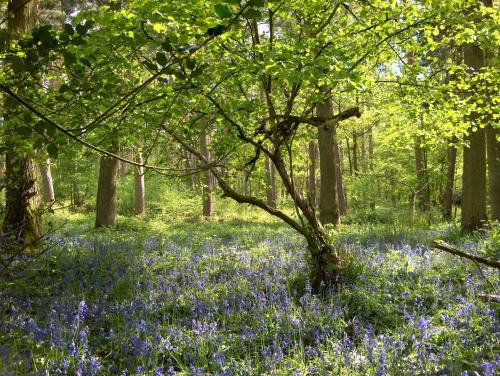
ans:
(249, 187)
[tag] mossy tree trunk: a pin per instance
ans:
(22, 222)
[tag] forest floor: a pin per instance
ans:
(231, 297)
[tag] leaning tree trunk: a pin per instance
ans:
(48, 186)
(106, 203)
(474, 164)
(22, 221)
(450, 181)
(312, 194)
(328, 205)
(140, 200)
(208, 183)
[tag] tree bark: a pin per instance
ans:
(48, 186)
(106, 203)
(474, 160)
(422, 178)
(208, 183)
(340, 182)
(493, 147)
(22, 222)
(312, 188)
(371, 163)
(328, 205)
(363, 153)
(192, 179)
(140, 201)
(355, 167)
(450, 181)
(348, 148)
(270, 183)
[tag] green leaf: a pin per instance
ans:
(167, 46)
(53, 150)
(68, 29)
(161, 58)
(150, 65)
(222, 11)
(253, 14)
(216, 30)
(69, 58)
(24, 131)
(256, 3)
(17, 64)
(190, 63)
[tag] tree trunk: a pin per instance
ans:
(22, 221)
(340, 182)
(348, 148)
(355, 166)
(371, 162)
(123, 167)
(450, 181)
(493, 152)
(48, 187)
(363, 153)
(474, 164)
(106, 202)
(270, 183)
(493, 147)
(208, 183)
(140, 201)
(422, 178)
(2, 171)
(312, 188)
(328, 205)
(192, 179)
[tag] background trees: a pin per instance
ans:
(238, 91)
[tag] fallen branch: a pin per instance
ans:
(489, 298)
(439, 244)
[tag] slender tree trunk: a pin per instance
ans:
(422, 179)
(208, 183)
(355, 166)
(348, 148)
(312, 188)
(106, 203)
(340, 182)
(192, 179)
(371, 163)
(328, 205)
(2, 171)
(140, 200)
(363, 153)
(450, 181)
(270, 183)
(48, 187)
(123, 167)
(474, 164)
(22, 221)
(493, 147)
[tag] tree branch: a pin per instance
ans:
(439, 244)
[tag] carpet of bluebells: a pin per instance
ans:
(194, 303)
